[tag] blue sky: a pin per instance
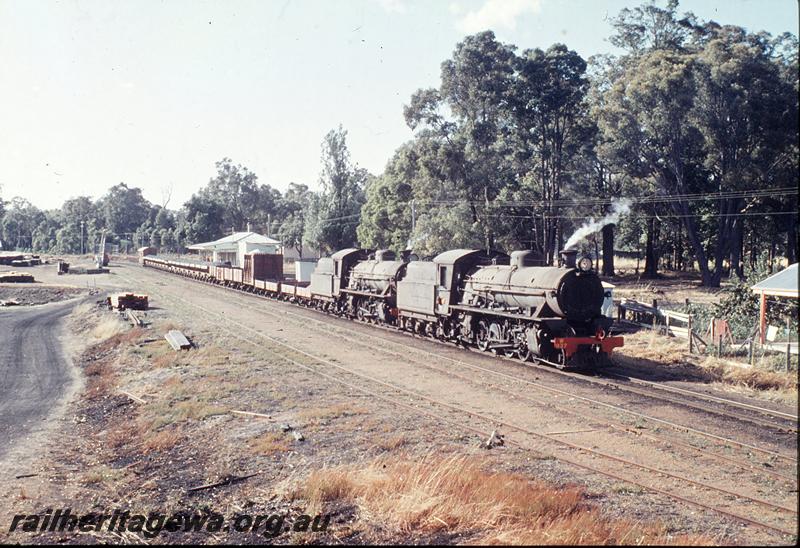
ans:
(153, 93)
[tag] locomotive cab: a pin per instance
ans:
(333, 273)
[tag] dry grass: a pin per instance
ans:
(107, 328)
(122, 435)
(163, 440)
(653, 352)
(393, 443)
(165, 413)
(100, 474)
(446, 496)
(774, 384)
(101, 379)
(320, 415)
(270, 443)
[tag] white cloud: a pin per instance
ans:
(497, 13)
(393, 6)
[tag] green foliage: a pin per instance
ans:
(19, 224)
(332, 215)
(123, 209)
(386, 215)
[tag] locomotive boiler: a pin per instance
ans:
(372, 287)
(553, 313)
(567, 292)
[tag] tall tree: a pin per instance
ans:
(475, 87)
(550, 108)
(124, 209)
(203, 219)
(19, 223)
(292, 206)
(333, 214)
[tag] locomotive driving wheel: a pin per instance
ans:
(561, 358)
(496, 334)
(482, 335)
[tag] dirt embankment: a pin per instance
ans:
(27, 294)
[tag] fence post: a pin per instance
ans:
(788, 357)
(691, 335)
(719, 347)
(750, 351)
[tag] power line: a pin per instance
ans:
(752, 193)
(665, 216)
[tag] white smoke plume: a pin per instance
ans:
(618, 209)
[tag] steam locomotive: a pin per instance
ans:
(510, 305)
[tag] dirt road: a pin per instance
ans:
(35, 373)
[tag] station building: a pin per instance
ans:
(233, 248)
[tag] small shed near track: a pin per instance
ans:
(782, 284)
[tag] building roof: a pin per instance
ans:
(782, 284)
(232, 242)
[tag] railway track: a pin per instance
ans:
(744, 465)
(785, 422)
(779, 427)
(777, 509)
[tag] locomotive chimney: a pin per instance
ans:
(568, 257)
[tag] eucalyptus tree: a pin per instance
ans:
(550, 107)
(386, 217)
(293, 206)
(332, 215)
(19, 222)
(747, 115)
(468, 114)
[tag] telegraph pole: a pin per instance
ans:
(82, 223)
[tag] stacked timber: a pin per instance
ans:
(123, 301)
(15, 277)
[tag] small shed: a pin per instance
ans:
(782, 284)
(147, 250)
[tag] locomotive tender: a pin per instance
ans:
(510, 305)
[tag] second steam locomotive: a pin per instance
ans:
(510, 305)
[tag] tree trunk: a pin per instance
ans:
(697, 245)
(737, 242)
(791, 240)
(608, 250)
(771, 253)
(650, 256)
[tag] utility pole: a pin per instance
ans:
(413, 215)
(269, 224)
(82, 222)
